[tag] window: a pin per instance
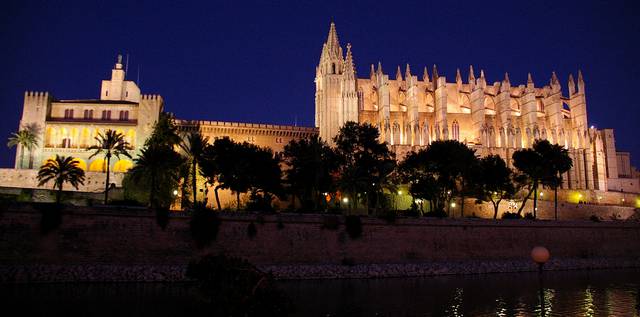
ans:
(66, 143)
(68, 113)
(106, 93)
(88, 114)
(124, 115)
(278, 140)
(251, 139)
(106, 114)
(126, 94)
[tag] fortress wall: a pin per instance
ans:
(97, 236)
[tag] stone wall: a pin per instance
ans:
(26, 178)
(102, 236)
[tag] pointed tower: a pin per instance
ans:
(398, 74)
(118, 88)
(329, 83)
(349, 106)
(572, 85)
(458, 79)
(425, 75)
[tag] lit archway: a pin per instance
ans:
(122, 166)
(98, 165)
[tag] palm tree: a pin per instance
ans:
(61, 169)
(111, 143)
(161, 164)
(193, 147)
(26, 139)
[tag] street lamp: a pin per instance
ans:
(540, 255)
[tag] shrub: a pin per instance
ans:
(389, 216)
(259, 202)
(436, 214)
(51, 216)
(234, 287)
(331, 222)
(511, 215)
(204, 226)
(353, 226)
(594, 218)
(252, 231)
(162, 217)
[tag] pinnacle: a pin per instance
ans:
(529, 79)
(458, 76)
(425, 75)
(398, 73)
(472, 76)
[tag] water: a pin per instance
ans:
(595, 293)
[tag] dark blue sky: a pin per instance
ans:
(255, 61)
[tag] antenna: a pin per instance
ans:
(126, 67)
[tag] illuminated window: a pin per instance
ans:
(278, 140)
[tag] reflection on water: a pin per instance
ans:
(596, 293)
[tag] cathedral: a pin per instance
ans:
(492, 118)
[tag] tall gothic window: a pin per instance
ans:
(455, 129)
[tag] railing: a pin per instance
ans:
(94, 120)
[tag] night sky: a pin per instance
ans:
(255, 61)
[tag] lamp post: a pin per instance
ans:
(540, 255)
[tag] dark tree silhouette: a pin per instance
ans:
(61, 170)
(559, 162)
(193, 146)
(311, 164)
(111, 143)
(366, 165)
(160, 165)
(493, 181)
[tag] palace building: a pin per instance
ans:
(492, 118)
(410, 112)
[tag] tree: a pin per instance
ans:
(61, 170)
(493, 181)
(159, 165)
(559, 162)
(311, 163)
(365, 164)
(193, 147)
(111, 143)
(541, 164)
(25, 139)
(439, 171)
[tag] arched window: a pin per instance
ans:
(68, 113)
(455, 129)
(106, 114)
(124, 115)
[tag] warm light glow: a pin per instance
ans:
(540, 255)
(175, 192)
(399, 192)
(453, 205)
(345, 200)
(541, 194)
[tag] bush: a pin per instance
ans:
(436, 214)
(162, 217)
(331, 222)
(511, 215)
(353, 226)
(234, 287)
(411, 213)
(389, 216)
(51, 216)
(252, 231)
(594, 218)
(204, 226)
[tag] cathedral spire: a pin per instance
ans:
(554, 78)
(379, 71)
(506, 78)
(425, 75)
(482, 83)
(398, 74)
(580, 82)
(505, 85)
(372, 72)
(458, 76)
(572, 85)
(435, 73)
(472, 76)
(529, 79)
(530, 86)
(333, 44)
(349, 67)
(407, 72)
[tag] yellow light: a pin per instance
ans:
(579, 195)
(345, 200)
(541, 194)
(399, 192)
(453, 205)
(175, 192)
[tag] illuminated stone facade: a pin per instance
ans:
(493, 118)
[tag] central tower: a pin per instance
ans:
(336, 92)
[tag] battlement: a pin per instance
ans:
(205, 123)
(36, 94)
(151, 97)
